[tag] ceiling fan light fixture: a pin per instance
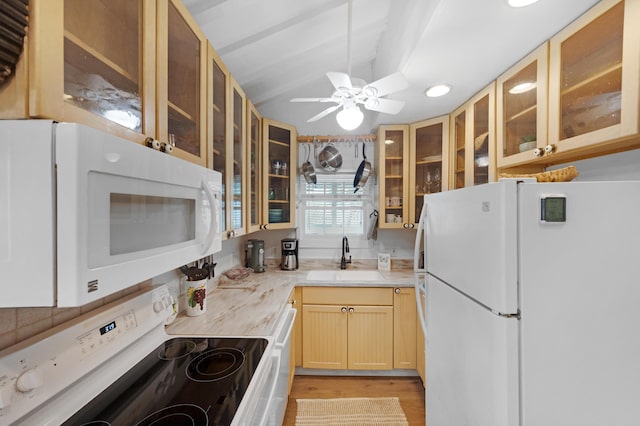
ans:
(350, 117)
(521, 3)
(437, 90)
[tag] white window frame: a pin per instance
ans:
(364, 195)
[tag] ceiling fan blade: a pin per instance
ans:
(323, 113)
(388, 106)
(312, 100)
(389, 84)
(340, 80)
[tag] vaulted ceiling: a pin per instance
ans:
(282, 49)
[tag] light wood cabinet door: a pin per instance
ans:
(370, 338)
(254, 169)
(404, 328)
(236, 160)
(594, 80)
(181, 108)
(279, 165)
(90, 62)
(429, 162)
(521, 106)
(217, 101)
(392, 153)
(324, 337)
(472, 140)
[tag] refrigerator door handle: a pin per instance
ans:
(419, 236)
(421, 289)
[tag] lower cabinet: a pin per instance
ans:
(347, 328)
(404, 328)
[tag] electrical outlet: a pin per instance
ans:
(393, 252)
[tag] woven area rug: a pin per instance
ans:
(350, 411)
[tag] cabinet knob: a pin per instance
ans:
(265, 226)
(549, 149)
(396, 291)
(412, 225)
(352, 310)
(405, 225)
(343, 310)
(538, 152)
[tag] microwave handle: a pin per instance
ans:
(206, 243)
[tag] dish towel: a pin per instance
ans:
(372, 234)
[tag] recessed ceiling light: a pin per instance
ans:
(438, 90)
(520, 3)
(522, 87)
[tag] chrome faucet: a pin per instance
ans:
(345, 249)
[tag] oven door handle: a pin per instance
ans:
(281, 343)
(276, 355)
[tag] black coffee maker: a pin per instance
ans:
(289, 261)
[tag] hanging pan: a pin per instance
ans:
(364, 170)
(308, 171)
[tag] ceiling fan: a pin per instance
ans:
(351, 92)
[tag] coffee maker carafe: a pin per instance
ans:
(289, 261)
(254, 255)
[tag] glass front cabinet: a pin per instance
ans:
(254, 169)
(594, 81)
(393, 177)
(472, 139)
(182, 79)
(236, 157)
(91, 62)
(429, 162)
(217, 100)
(279, 167)
(521, 109)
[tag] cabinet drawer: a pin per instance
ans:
(347, 296)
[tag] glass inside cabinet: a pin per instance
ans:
(103, 59)
(481, 140)
(428, 163)
(279, 174)
(520, 111)
(237, 211)
(255, 171)
(591, 75)
(459, 137)
(219, 107)
(394, 176)
(183, 80)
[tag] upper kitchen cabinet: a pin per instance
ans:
(428, 155)
(594, 81)
(217, 99)
(91, 62)
(472, 140)
(393, 176)
(182, 79)
(278, 174)
(236, 159)
(521, 109)
(254, 169)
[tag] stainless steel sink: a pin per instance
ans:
(344, 275)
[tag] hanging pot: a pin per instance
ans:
(330, 158)
(308, 171)
(364, 170)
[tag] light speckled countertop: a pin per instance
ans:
(250, 307)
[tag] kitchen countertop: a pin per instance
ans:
(250, 306)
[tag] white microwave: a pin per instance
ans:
(84, 214)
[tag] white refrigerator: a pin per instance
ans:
(532, 312)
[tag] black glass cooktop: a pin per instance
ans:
(185, 381)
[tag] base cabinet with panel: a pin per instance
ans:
(404, 328)
(347, 328)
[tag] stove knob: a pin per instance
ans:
(29, 380)
(5, 396)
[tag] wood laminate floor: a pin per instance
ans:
(408, 389)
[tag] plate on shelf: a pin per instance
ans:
(431, 158)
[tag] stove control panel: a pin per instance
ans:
(37, 370)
